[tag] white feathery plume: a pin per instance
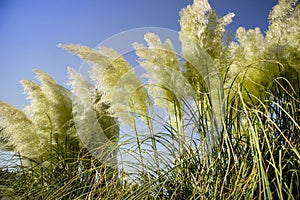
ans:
(116, 78)
(18, 131)
(166, 82)
(59, 102)
(97, 129)
(38, 111)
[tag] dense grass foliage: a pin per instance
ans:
(232, 129)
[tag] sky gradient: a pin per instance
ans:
(30, 31)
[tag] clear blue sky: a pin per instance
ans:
(31, 29)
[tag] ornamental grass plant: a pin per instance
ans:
(232, 128)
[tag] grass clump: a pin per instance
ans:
(232, 129)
